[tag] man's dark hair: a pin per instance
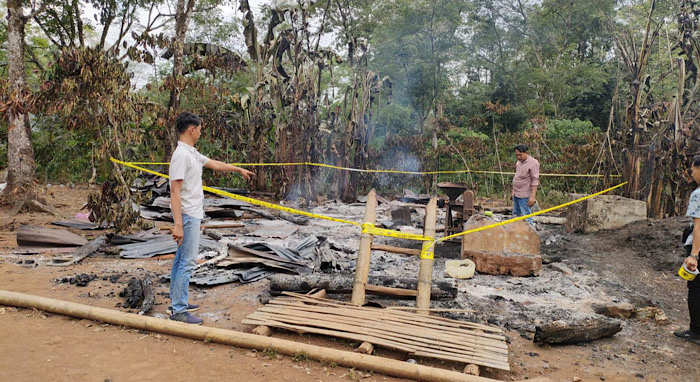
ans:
(185, 120)
(696, 161)
(521, 148)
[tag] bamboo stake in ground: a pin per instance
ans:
(363, 256)
(425, 274)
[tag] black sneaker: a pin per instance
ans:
(190, 308)
(687, 335)
(187, 318)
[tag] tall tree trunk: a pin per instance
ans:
(632, 158)
(182, 19)
(20, 154)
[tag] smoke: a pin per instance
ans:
(398, 158)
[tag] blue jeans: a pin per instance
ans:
(185, 261)
(520, 208)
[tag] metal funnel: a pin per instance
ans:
(453, 190)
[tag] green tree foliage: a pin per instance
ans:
(442, 84)
(416, 44)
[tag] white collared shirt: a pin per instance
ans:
(186, 164)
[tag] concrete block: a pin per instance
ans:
(603, 212)
(401, 215)
(511, 249)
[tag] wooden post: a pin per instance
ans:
(425, 274)
(363, 256)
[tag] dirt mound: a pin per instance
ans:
(656, 242)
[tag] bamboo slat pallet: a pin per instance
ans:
(413, 333)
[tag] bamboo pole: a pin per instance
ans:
(378, 289)
(390, 328)
(300, 325)
(425, 274)
(411, 317)
(394, 321)
(392, 249)
(363, 256)
(405, 341)
(233, 338)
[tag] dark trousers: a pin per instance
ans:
(694, 305)
(693, 298)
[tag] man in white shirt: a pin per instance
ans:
(187, 204)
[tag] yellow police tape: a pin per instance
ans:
(390, 171)
(370, 228)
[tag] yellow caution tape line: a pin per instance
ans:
(372, 230)
(519, 218)
(369, 227)
(245, 198)
(425, 254)
(391, 171)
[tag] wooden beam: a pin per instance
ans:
(391, 291)
(425, 274)
(392, 249)
(363, 256)
(343, 284)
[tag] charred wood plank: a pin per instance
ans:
(342, 284)
(561, 332)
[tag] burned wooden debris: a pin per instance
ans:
(562, 332)
(343, 284)
(80, 280)
(139, 294)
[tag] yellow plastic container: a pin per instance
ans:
(686, 274)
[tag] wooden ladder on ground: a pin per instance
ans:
(425, 273)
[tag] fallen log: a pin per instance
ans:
(563, 333)
(233, 338)
(342, 284)
(300, 220)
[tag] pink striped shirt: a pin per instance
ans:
(527, 174)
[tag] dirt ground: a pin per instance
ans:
(638, 259)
